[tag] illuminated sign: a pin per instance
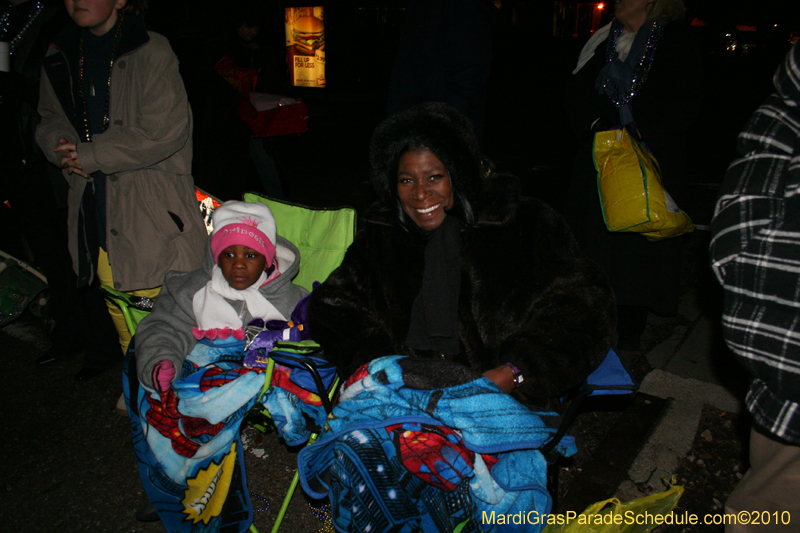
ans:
(305, 45)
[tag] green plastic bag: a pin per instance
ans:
(612, 516)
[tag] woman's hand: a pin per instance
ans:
(503, 376)
(69, 157)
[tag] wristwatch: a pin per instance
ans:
(518, 377)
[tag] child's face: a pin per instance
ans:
(98, 16)
(241, 266)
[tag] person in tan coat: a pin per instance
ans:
(116, 119)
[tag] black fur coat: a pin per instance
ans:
(528, 296)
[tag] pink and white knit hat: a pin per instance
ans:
(248, 224)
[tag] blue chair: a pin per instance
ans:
(610, 378)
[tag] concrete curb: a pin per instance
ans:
(674, 435)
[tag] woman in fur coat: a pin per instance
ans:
(453, 263)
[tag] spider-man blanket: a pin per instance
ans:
(187, 440)
(295, 411)
(400, 456)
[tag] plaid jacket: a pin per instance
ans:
(755, 254)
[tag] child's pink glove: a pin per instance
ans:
(163, 374)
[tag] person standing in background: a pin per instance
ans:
(642, 71)
(755, 254)
(249, 44)
(115, 118)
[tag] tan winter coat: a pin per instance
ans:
(146, 154)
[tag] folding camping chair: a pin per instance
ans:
(324, 381)
(322, 236)
(610, 378)
(134, 308)
(21, 287)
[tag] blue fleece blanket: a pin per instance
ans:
(401, 459)
(187, 440)
(295, 410)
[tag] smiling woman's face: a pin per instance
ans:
(423, 186)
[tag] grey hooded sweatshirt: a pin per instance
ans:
(166, 333)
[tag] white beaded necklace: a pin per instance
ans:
(4, 22)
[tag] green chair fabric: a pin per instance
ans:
(322, 235)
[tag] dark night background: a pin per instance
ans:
(535, 47)
(526, 126)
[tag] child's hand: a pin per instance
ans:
(163, 374)
(69, 157)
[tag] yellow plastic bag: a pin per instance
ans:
(631, 194)
(612, 516)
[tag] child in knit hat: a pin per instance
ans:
(193, 389)
(247, 274)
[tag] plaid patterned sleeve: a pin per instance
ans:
(755, 254)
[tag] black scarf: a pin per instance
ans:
(434, 314)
